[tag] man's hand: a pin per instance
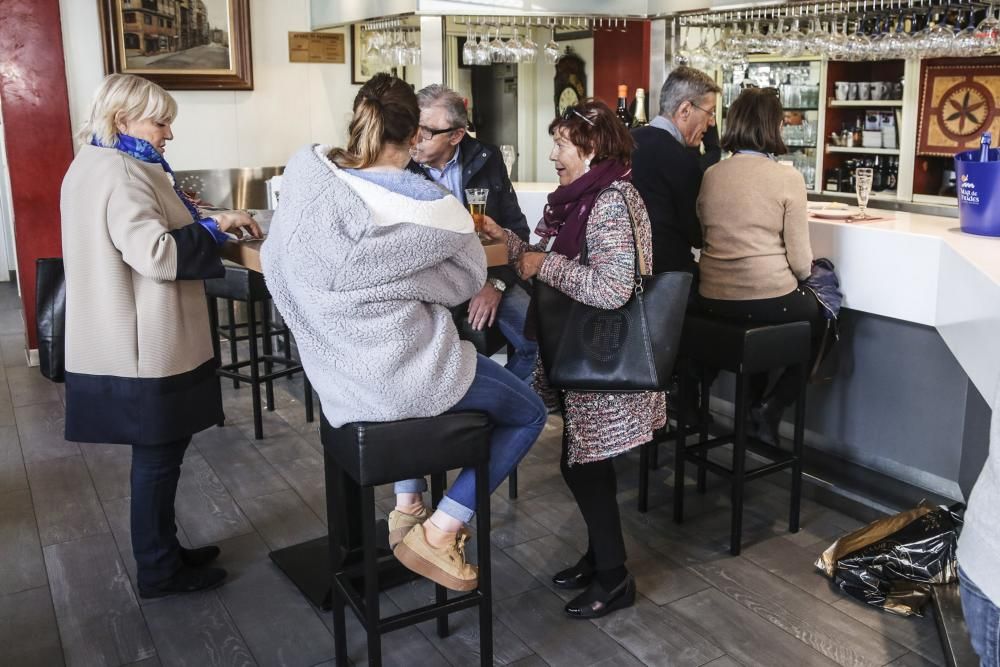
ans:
(483, 307)
(493, 231)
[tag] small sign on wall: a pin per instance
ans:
(316, 47)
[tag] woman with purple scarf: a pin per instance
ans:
(590, 211)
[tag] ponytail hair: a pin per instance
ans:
(385, 112)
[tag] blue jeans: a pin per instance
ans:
(155, 471)
(982, 617)
(518, 416)
(511, 314)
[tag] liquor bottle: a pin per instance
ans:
(878, 176)
(984, 146)
(639, 119)
(893, 175)
(470, 125)
(857, 133)
(622, 111)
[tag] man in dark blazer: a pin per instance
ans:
(447, 155)
(667, 165)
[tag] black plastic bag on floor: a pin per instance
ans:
(891, 563)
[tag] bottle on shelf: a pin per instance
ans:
(892, 176)
(622, 110)
(984, 146)
(857, 133)
(878, 175)
(470, 125)
(639, 119)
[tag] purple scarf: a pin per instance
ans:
(568, 208)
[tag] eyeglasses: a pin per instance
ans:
(711, 114)
(571, 111)
(428, 133)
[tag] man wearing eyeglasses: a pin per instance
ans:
(667, 166)
(447, 155)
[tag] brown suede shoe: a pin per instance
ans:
(445, 565)
(400, 524)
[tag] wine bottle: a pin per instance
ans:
(622, 111)
(639, 119)
(984, 146)
(470, 125)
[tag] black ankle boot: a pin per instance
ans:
(578, 576)
(186, 580)
(200, 556)
(765, 421)
(596, 602)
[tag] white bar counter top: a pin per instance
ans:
(911, 267)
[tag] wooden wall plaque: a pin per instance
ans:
(958, 102)
(316, 47)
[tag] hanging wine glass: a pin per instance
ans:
(551, 50)
(683, 55)
(529, 50)
(469, 48)
(988, 33)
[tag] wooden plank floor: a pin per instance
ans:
(67, 592)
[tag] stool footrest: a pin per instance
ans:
(426, 613)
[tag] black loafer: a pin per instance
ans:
(201, 556)
(578, 576)
(186, 580)
(596, 602)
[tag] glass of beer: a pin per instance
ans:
(477, 206)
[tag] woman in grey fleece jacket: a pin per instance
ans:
(364, 260)
(979, 553)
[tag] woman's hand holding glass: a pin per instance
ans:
(238, 223)
(492, 231)
(530, 264)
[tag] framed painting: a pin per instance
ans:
(361, 70)
(179, 44)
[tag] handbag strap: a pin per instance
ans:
(640, 264)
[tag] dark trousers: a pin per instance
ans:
(155, 471)
(798, 305)
(595, 489)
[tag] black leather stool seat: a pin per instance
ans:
(746, 348)
(375, 453)
(711, 343)
(242, 284)
(360, 456)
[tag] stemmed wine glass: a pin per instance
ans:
(988, 33)
(509, 156)
(863, 188)
(551, 49)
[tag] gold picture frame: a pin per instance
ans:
(179, 44)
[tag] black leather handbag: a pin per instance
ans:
(627, 349)
(50, 317)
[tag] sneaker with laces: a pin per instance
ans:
(400, 524)
(442, 565)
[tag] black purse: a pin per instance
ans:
(628, 349)
(50, 317)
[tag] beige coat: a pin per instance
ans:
(131, 324)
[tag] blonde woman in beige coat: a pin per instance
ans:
(139, 364)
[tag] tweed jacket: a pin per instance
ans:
(139, 362)
(601, 425)
(364, 274)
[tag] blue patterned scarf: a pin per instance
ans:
(142, 150)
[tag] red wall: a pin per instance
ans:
(39, 139)
(621, 57)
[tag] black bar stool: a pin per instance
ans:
(241, 284)
(361, 456)
(713, 343)
(488, 342)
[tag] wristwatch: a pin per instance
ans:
(498, 284)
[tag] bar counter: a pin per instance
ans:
(919, 346)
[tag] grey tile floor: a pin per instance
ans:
(67, 593)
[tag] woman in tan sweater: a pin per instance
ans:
(756, 251)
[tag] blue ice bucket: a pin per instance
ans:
(978, 187)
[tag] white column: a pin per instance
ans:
(657, 63)
(431, 50)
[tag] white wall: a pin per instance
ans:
(292, 103)
(544, 91)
